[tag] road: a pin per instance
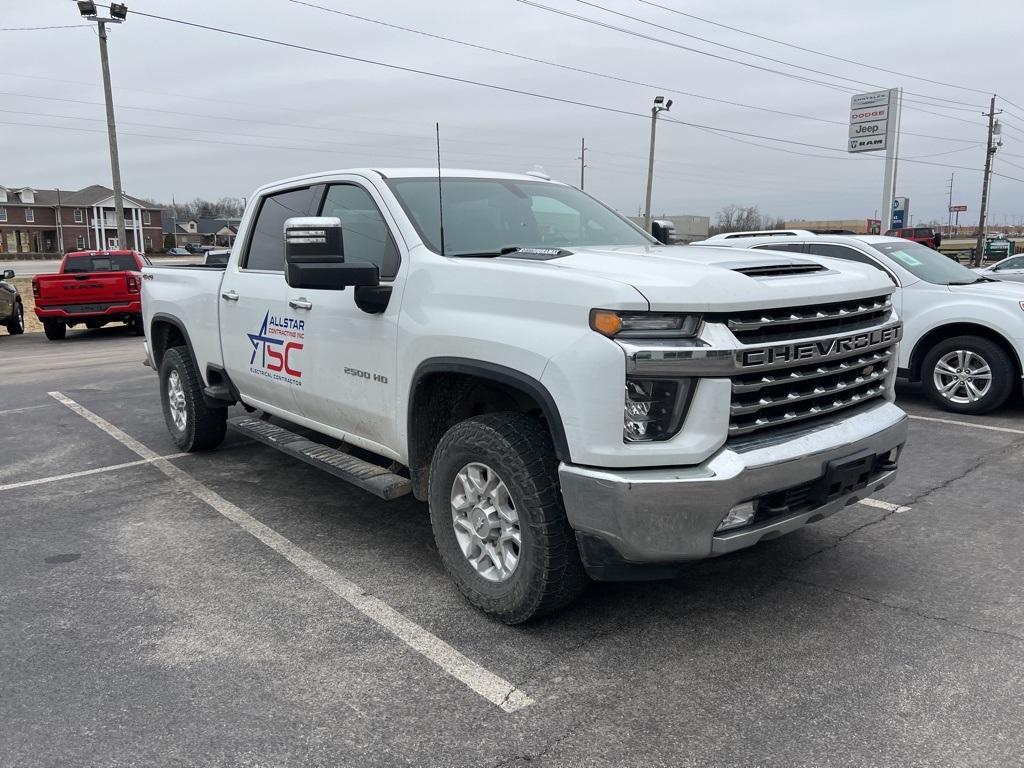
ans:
(31, 267)
(238, 608)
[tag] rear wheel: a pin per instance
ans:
(16, 324)
(136, 326)
(193, 425)
(54, 330)
(498, 520)
(967, 374)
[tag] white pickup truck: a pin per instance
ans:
(572, 397)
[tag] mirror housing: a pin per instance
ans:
(664, 231)
(8, 274)
(314, 255)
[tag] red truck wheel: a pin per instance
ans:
(55, 331)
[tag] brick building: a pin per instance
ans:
(57, 221)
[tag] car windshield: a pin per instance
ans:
(927, 264)
(483, 217)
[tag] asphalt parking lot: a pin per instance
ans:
(241, 608)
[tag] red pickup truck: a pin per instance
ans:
(93, 288)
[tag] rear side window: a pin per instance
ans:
(923, 232)
(266, 243)
(842, 252)
(101, 263)
(364, 232)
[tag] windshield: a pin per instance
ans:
(927, 264)
(484, 216)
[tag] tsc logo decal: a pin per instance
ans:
(274, 348)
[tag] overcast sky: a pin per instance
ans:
(201, 113)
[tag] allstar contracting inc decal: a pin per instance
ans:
(274, 349)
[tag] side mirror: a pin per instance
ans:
(8, 274)
(663, 231)
(314, 256)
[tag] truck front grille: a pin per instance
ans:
(771, 325)
(784, 396)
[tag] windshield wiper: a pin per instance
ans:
(487, 254)
(975, 280)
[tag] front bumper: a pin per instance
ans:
(670, 515)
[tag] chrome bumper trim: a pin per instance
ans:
(671, 514)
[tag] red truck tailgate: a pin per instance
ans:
(83, 288)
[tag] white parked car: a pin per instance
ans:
(1011, 269)
(963, 330)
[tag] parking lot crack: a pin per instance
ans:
(906, 609)
(982, 460)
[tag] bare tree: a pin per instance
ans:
(738, 218)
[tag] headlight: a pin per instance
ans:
(654, 408)
(644, 325)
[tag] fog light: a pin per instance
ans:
(739, 515)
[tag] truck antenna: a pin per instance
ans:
(440, 200)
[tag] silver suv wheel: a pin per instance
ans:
(486, 522)
(962, 376)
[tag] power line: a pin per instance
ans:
(506, 89)
(593, 73)
(634, 33)
(811, 50)
(36, 29)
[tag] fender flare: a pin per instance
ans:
(499, 374)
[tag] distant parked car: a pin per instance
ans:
(193, 248)
(12, 312)
(923, 235)
(178, 251)
(1011, 269)
(217, 258)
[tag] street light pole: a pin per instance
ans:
(660, 105)
(118, 12)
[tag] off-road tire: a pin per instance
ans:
(54, 331)
(16, 324)
(549, 574)
(204, 426)
(1003, 373)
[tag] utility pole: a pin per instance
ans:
(990, 150)
(118, 12)
(660, 105)
(583, 161)
(949, 217)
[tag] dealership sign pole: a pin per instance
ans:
(874, 126)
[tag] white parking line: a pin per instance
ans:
(495, 689)
(84, 472)
(886, 505)
(969, 424)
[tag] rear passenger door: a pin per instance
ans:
(261, 345)
(350, 362)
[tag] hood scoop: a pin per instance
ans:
(778, 270)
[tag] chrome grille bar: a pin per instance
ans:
(801, 315)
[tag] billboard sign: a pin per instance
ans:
(900, 212)
(957, 208)
(869, 121)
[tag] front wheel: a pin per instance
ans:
(193, 425)
(498, 520)
(54, 330)
(967, 374)
(16, 324)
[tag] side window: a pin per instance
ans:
(364, 232)
(1016, 263)
(266, 243)
(842, 252)
(793, 247)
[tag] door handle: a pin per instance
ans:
(300, 304)
(229, 296)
